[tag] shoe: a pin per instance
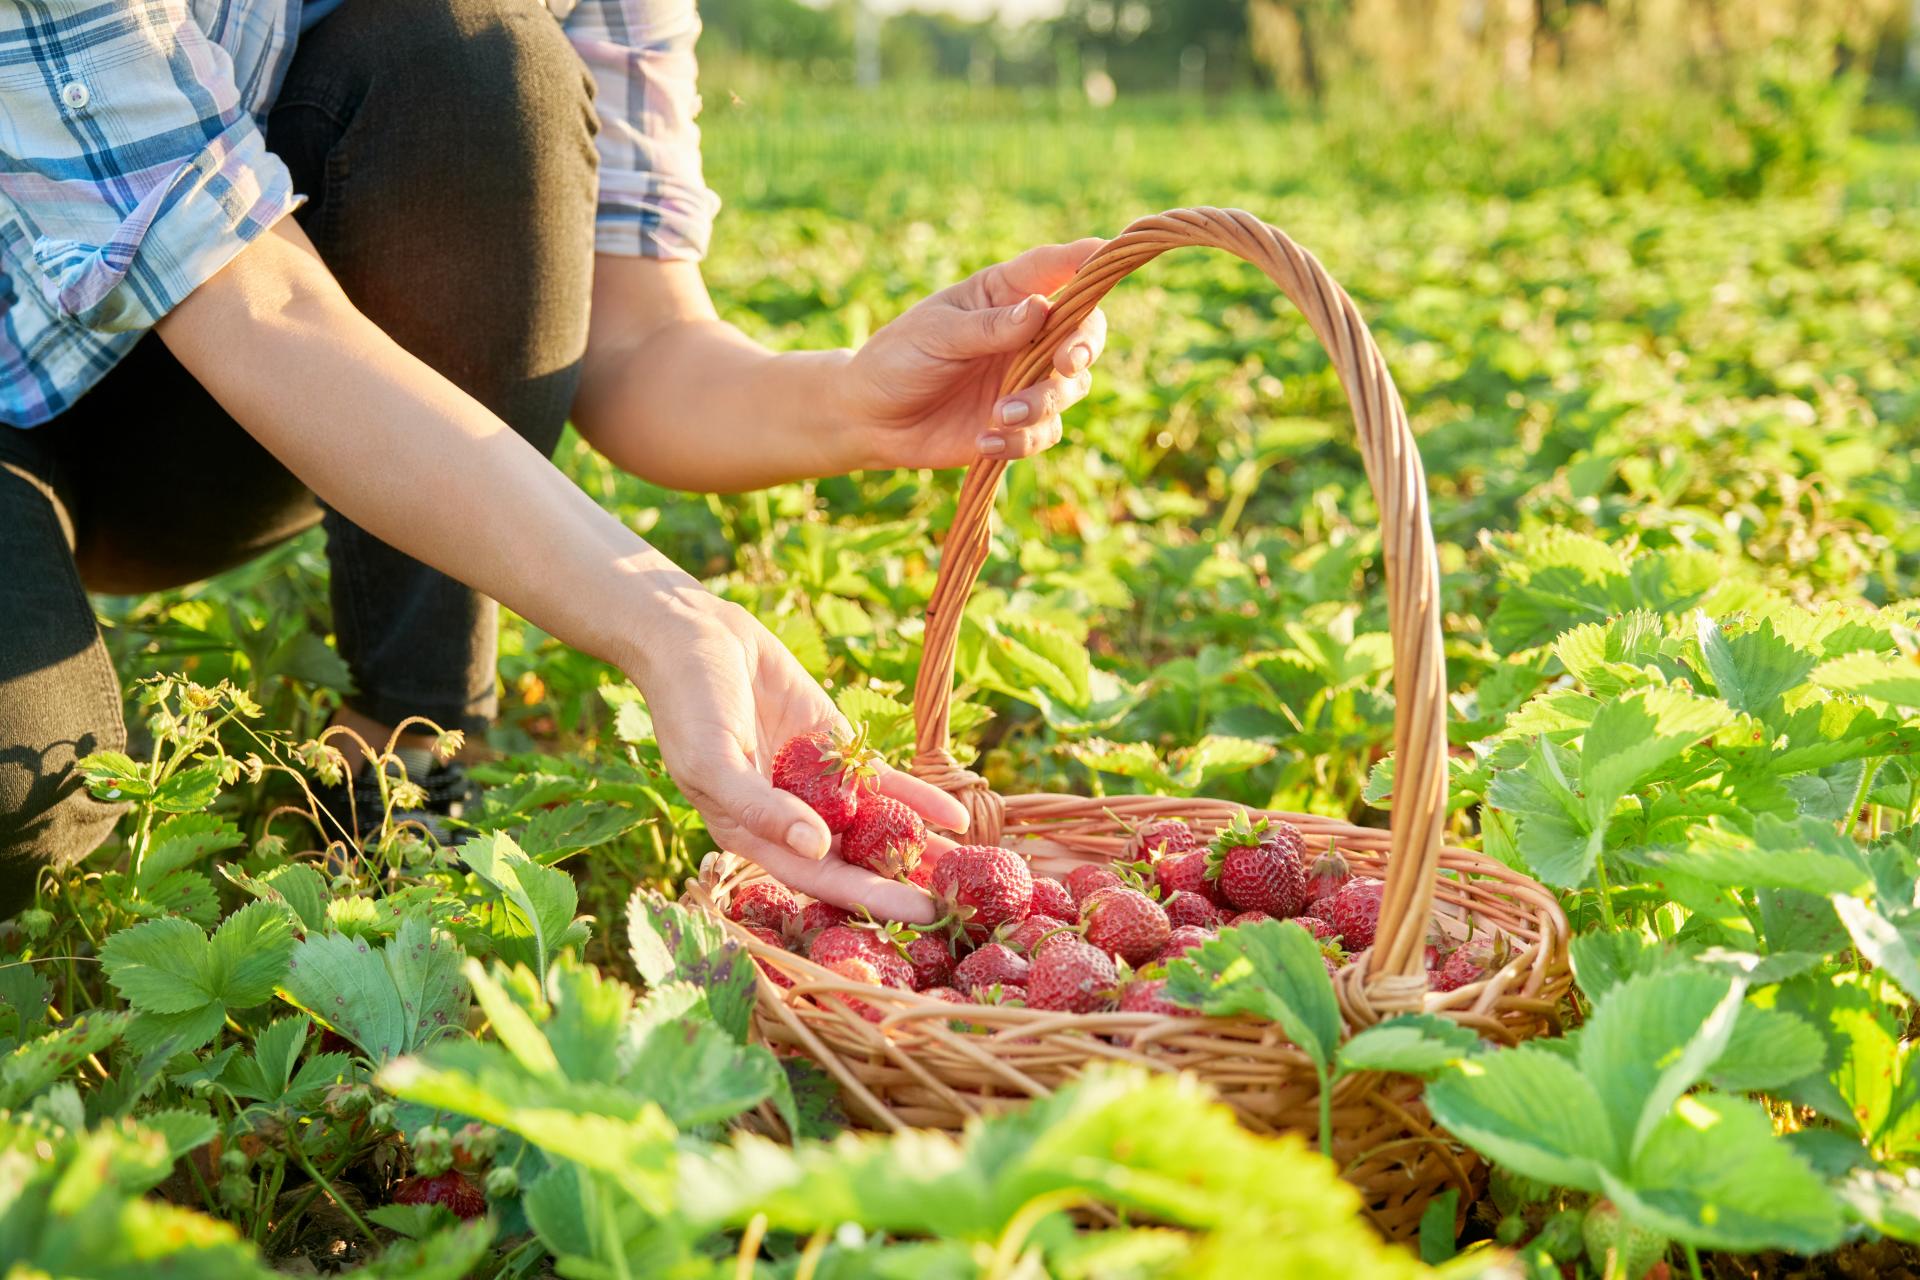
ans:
(354, 807)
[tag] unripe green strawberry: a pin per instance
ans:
(432, 1148)
(503, 1182)
(1615, 1247)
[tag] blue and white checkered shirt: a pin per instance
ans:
(132, 164)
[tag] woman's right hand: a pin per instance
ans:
(725, 695)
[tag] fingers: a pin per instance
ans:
(747, 801)
(1028, 422)
(1039, 270)
(962, 333)
(840, 883)
(1079, 349)
(925, 799)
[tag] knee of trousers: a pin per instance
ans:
(48, 818)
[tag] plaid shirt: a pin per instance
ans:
(132, 165)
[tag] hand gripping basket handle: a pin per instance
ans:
(1413, 574)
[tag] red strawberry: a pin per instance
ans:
(1181, 941)
(1161, 838)
(985, 884)
(1025, 936)
(1187, 873)
(816, 916)
(1050, 898)
(1088, 879)
(932, 961)
(1148, 995)
(992, 965)
(766, 903)
(886, 838)
(850, 942)
(922, 873)
(1327, 873)
(1356, 913)
(1319, 928)
(830, 775)
(1464, 966)
(1247, 917)
(772, 939)
(945, 993)
(1073, 977)
(1126, 923)
(855, 969)
(1188, 908)
(1258, 867)
(452, 1189)
(1322, 907)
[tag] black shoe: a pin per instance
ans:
(353, 808)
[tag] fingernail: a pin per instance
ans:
(1079, 357)
(804, 840)
(1020, 312)
(1015, 411)
(990, 444)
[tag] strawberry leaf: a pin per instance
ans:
(388, 1001)
(1271, 969)
(534, 921)
(1418, 1044)
(1531, 1110)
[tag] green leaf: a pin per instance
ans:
(696, 1072)
(671, 942)
(114, 775)
(1713, 1174)
(1269, 970)
(249, 955)
(41, 1061)
(1215, 757)
(1419, 1044)
(1634, 736)
(552, 835)
(1806, 855)
(188, 791)
(1602, 961)
(1654, 1037)
(1531, 1110)
(1769, 1049)
(183, 840)
(1888, 677)
(1885, 1200)
(160, 966)
(1891, 947)
(1753, 670)
(539, 901)
(388, 1001)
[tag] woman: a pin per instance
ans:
(498, 213)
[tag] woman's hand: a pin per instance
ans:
(925, 387)
(725, 695)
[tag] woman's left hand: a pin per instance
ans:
(927, 385)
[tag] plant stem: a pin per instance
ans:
(1852, 818)
(1606, 893)
(1693, 1262)
(1326, 1111)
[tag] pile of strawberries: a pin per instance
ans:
(1099, 941)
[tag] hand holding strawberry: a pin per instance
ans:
(726, 696)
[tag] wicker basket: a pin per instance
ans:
(914, 1069)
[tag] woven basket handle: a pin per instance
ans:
(1413, 574)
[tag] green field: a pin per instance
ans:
(1667, 395)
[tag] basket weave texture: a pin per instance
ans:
(919, 1067)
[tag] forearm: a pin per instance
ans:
(681, 398)
(407, 456)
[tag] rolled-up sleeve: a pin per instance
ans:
(654, 200)
(130, 171)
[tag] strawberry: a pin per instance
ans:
(886, 837)
(1029, 933)
(1072, 977)
(1089, 878)
(1126, 923)
(992, 965)
(1186, 873)
(1181, 941)
(1319, 928)
(452, 1189)
(1355, 912)
(945, 993)
(856, 969)
(1258, 867)
(1161, 838)
(852, 942)
(1148, 995)
(932, 961)
(922, 873)
(1616, 1247)
(1184, 907)
(830, 774)
(1247, 917)
(766, 903)
(985, 885)
(816, 916)
(1322, 907)
(1326, 874)
(1050, 898)
(1466, 965)
(772, 939)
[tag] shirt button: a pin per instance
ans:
(75, 95)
